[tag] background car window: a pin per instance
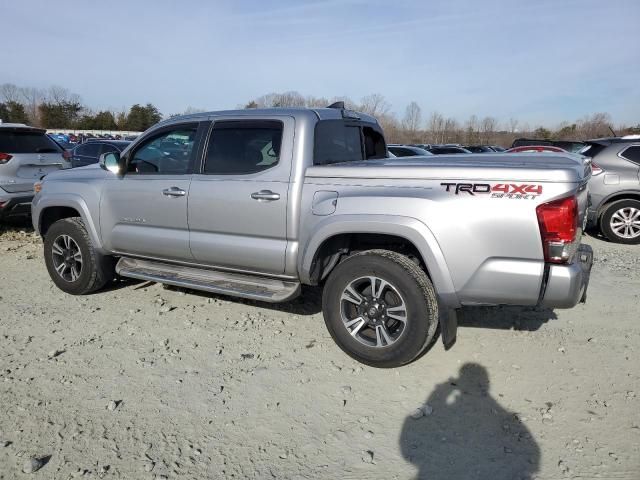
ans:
(168, 153)
(243, 147)
(106, 148)
(27, 142)
(632, 153)
(88, 150)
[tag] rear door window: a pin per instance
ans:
(243, 147)
(27, 142)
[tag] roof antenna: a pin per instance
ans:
(614, 133)
(338, 105)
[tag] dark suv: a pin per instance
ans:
(615, 187)
(89, 152)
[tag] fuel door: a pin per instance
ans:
(324, 202)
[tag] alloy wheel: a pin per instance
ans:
(373, 311)
(67, 258)
(625, 222)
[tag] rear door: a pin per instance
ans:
(29, 155)
(144, 212)
(238, 200)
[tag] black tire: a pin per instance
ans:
(608, 215)
(96, 270)
(406, 279)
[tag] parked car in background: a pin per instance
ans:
(567, 145)
(89, 152)
(498, 148)
(447, 149)
(536, 149)
(479, 149)
(407, 151)
(26, 155)
(615, 187)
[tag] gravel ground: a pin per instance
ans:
(142, 382)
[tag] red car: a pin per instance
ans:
(536, 149)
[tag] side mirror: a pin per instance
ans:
(111, 162)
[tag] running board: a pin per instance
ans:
(235, 284)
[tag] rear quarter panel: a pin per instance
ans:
(490, 244)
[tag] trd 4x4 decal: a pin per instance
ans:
(499, 190)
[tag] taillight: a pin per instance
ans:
(4, 158)
(595, 169)
(67, 155)
(558, 222)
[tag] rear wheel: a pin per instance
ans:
(621, 222)
(73, 263)
(380, 308)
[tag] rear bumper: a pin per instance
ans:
(15, 206)
(567, 284)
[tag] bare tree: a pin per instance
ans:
(374, 104)
(472, 130)
(487, 128)
(451, 131)
(32, 97)
(513, 125)
(316, 102)
(412, 118)
(435, 127)
(59, 95)
(10, 92)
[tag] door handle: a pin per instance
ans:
(266, 195)
(173, 192)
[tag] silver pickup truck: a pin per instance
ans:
(256, 203)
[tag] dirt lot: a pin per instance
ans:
(141, 382)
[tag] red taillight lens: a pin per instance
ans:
(595, 169)
(558, 222)
(4, 158)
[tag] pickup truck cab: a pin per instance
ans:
(255, 203)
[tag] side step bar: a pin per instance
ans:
(235, 284)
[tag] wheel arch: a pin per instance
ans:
(336, 235)
(51, 209)
(616, 197)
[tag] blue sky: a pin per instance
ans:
(539, 61)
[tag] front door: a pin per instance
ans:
(144, 212)
(238, 201)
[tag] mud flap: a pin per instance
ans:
(448, 326)
(585, 257)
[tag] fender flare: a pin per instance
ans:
(69, 200)
(607, 200)
(409, 228)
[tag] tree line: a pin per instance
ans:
(57, 107)
(415, 127)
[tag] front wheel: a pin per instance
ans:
(380, 308)
(621, 222)
(73, 263)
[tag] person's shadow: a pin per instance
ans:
(468, 434)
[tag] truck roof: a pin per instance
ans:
(318, 113)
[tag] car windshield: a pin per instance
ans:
(27, 142)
